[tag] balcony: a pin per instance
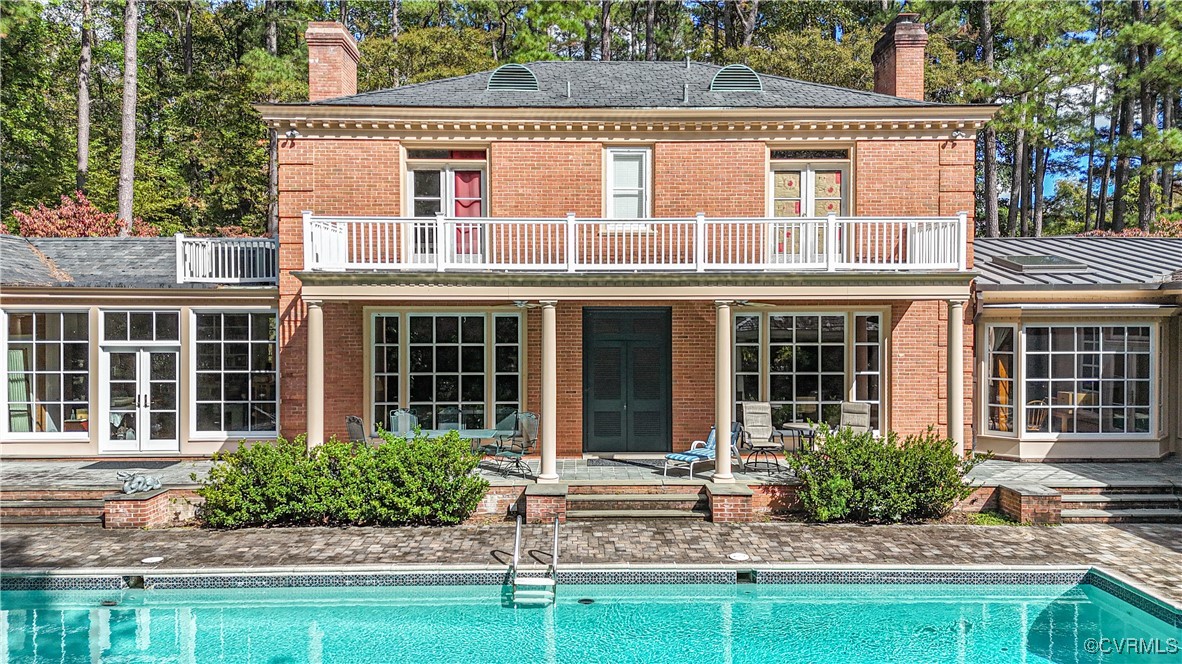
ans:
(576, 245)
(226, 260)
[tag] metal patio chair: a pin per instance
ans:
(760, 438)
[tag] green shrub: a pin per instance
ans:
(858, 477)
(398, 482)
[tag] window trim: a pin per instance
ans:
(447, 189)
(7, 436)
(1018, 391)
(403, 313)
(190, 402)
(646, 154)
(884, 344)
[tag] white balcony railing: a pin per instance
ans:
(226, 260)
(574, 244)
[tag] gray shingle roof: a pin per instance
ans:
(624, 84)
(90, 262)
(1137, 262)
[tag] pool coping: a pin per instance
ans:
(1113, 583)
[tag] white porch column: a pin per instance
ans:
(314, 407)
(722, 394)
(956, 373)
(549, 433)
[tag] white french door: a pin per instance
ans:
(454, 192)
(140, 399)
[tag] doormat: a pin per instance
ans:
(617, 463)
(129, 465)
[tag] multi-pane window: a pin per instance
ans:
(627, 177)
(451, 183)
(236, 388)
(801, 366)
(162, 326)
(461, 370)
(48, 363)
(1088, 379)
(1000, 388)
(809, 190)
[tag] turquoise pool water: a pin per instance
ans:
(624, 623)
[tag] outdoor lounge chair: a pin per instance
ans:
(510, 450)
(760, 438)
(703, 450)
(856, 416)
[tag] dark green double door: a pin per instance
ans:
(627, 379)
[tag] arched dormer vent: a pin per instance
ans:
(736, 78)
(513, 77)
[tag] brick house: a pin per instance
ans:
(615, 244)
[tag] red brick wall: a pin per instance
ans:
(919, 367)
(721, 179)
(545, 179)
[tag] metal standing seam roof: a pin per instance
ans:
(620, 84)
(1138, 262)
(90, 262)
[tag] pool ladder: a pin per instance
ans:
(534, 590)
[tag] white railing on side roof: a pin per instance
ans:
(226, 260)
(574, 244)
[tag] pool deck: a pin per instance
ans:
(74, 473)
(1148, 554)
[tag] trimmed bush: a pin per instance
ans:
(858, 477)
(399, 482)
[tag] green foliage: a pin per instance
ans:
(858, 477)
(991, 518)
(421, 55)
(399, 482)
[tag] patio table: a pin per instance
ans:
(466, 434)
(805, 432)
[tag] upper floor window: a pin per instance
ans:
(628, 182)
(448, 182)
(810, 183)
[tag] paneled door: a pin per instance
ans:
(627, 380)
(142, 401)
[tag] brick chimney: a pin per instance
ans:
(899, 58)
(332, 60)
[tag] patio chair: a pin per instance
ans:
(356, 429)
(510, 450)
(760, 438)
(856, 416)
(403, 422)
(704, 450)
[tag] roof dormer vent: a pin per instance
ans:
(513, 77)
(736, 78)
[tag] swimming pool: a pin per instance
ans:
(701, 622)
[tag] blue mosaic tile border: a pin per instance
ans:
(1166, 614)
(958, 577)
(324, 580)
(578, 577)
(62, 583)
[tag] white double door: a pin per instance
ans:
(141, 399)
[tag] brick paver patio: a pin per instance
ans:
(1150, 554)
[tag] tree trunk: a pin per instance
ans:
(1106, 172)
(1148, 125)
(396, 19)
(1167, 169)
(127, 156)
(650, 29)
(605, 30)
(1125, 131)
(272, 27)
(1040, 171)
(589, 42)
(747, 12)
(1016, 180)
(343, 11)
(84, 99)
(187, 38)
(989, 163)
(1027, 199)
(1096, 77)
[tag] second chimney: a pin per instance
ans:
(332, 61)
(899, 58)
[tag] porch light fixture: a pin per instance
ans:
(958, 134)
(292, 133)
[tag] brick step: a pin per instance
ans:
(630, 489)
(76, 520)
(1122, 501)
(700, 515)
(1158, 488)
(16, 508)
(635, 501)
(1122, 515)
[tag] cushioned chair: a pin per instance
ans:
(704, 450)
(760, 438)
(856, 416)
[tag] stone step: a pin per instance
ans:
(649, 489)
(1122, 501)
(635, 501)
(1120, 488)
(1122, 515)
(637, 514)
(74, 520)
(15, 508)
